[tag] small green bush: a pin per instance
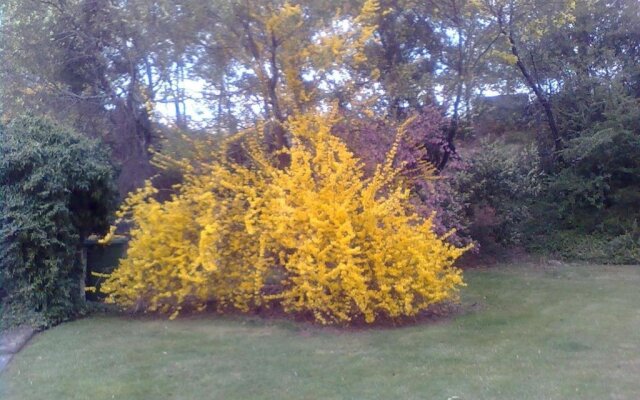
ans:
(56, 187)
(499, 186)
(577, 246)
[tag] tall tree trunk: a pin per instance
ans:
(452, 131)
(540, 96)
(277, 129)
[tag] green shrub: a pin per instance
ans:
(577, 246)
(591, 204)
(597, 190)
(499, 186)
(56, 187)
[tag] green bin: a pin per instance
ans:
(102, 259)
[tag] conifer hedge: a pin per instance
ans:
(56, 187)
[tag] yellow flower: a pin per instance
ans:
(316, 237)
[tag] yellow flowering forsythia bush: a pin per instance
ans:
(315, 237)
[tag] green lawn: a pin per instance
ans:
(570, 332)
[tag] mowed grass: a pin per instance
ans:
(528, 332)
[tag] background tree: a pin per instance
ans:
(523, 23)
(95, 64)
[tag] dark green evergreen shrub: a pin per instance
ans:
(598, 188)
(56, 187)
(591, 205)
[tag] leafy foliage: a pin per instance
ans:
(123, 70)
(81, 63)
(605, 167)
(500, 186)
(598, 248)
(423, 145)
(56, 187)
(316, 237)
